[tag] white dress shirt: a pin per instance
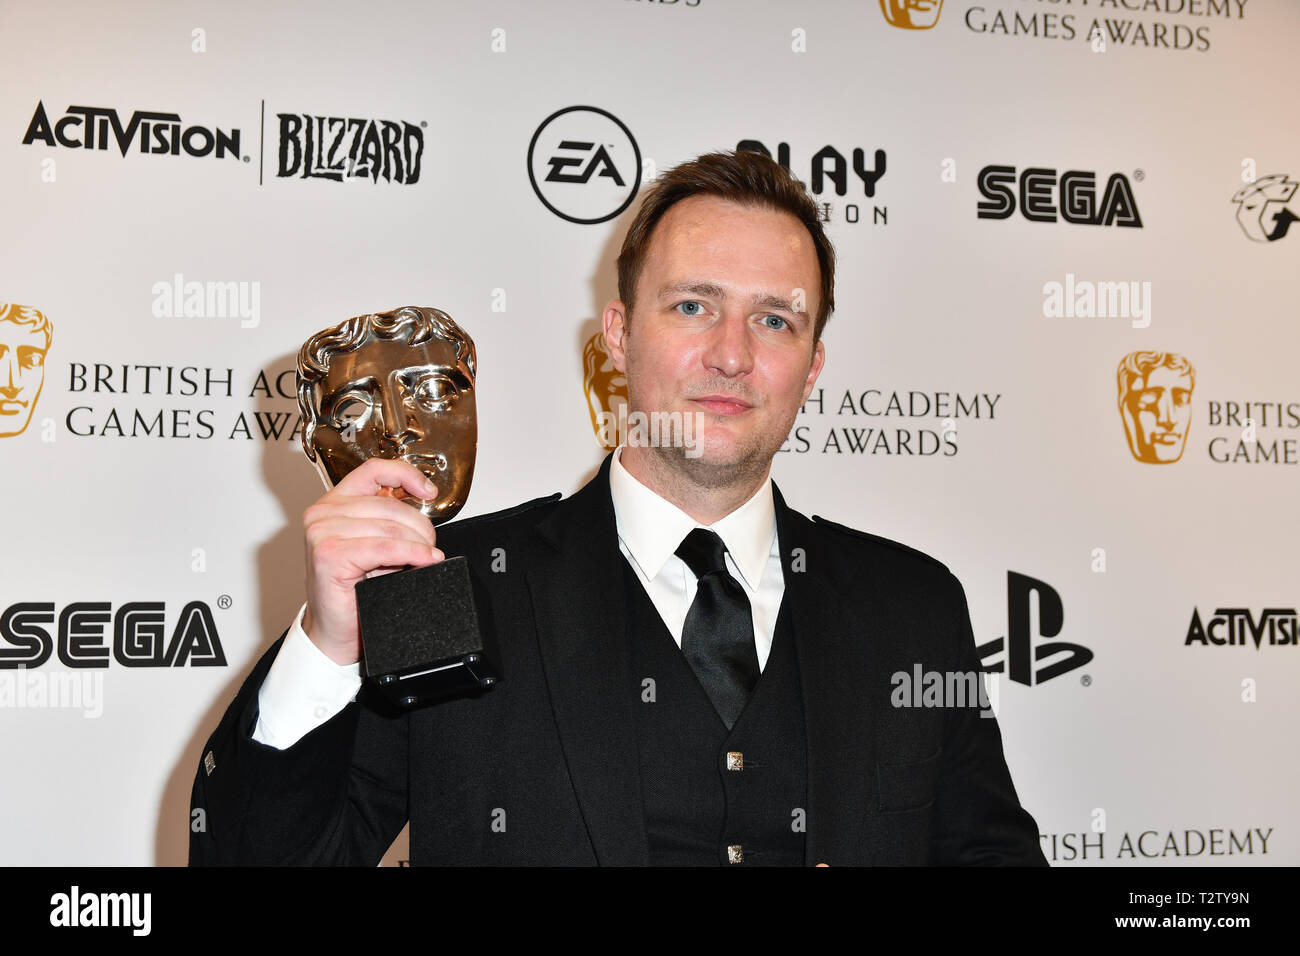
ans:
(304, 688)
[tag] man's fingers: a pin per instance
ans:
(349, 527)
(380, 572)
(354, 558)
(368, 509)
(369, 477)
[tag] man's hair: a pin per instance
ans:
(744, 177)
(26, 315)
(421, 324)
(1137, 365)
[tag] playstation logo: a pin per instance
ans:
(1024, 649)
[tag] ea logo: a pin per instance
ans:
(584, 164)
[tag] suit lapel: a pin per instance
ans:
(834, 676)
(577, 593)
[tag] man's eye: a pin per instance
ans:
(691, 308)
(774, 322)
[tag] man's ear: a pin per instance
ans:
(615, 326)
(815, 369)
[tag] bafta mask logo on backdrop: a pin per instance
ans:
(1024, 648)
(396, 384)
(584, 164)
(1260, 210)
(1155, 404)
(25, 337)
(911, 14)
(606, 391)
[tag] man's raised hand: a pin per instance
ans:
(355, 531)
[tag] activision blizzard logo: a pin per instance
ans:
(1260, 212)
(155, 132)
(1021, 652)
(1043, 197)
(338, 148)
(1237, 626)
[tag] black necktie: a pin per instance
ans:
(718, 637)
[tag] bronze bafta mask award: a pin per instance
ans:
(400, 384)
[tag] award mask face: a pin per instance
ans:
(1155, 403)
(396, 384)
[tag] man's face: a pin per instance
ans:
(389, 399)
(22, 373)
(723, 326)
(1161, 409)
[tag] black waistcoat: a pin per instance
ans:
(713, 796)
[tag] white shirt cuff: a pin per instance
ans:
(302, 690)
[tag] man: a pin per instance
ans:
(693, 672)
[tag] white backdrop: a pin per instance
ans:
(1191, 745)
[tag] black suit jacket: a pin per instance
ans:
(543, 768)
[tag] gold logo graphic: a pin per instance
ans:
(25, 337)
(911, 14)
(606, 390)
(1155, 403)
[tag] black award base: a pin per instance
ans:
(420, 634)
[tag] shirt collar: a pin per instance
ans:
(652, 527)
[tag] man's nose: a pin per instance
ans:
(729, 350)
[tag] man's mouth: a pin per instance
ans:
(11, 406)
(1165, 438)
(723, 404)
